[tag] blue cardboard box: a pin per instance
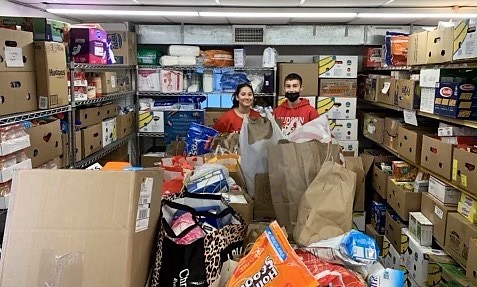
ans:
(456, 100)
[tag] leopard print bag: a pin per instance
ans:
(199, 263)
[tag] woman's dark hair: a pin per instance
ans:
(237, 91)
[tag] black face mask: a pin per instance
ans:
(292, 96)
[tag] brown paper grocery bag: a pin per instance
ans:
(326, 208)
(292, 168)
(355, 164)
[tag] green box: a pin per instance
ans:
(43, 29)
(148, 57)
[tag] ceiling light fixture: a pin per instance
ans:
(217, 1)
(275, 15)
(411, 15)
(122, 12)
(389, 2)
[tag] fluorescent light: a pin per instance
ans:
(121, 12)
(389, 2)
(276, 15)
(411, 15)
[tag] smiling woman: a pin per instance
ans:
(243, 100)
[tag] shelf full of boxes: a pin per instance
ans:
(425, 180)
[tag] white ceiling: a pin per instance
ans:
(322, 6)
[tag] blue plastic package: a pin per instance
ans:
(387, 278)
(199, 139)
(360, 247)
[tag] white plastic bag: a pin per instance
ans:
(253, 155)
(269, 59)
(317, 129)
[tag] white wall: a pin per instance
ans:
(11, 9)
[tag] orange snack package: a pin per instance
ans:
(272, 263)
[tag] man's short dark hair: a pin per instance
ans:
(294, 76)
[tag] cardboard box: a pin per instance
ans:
(417, 261)
(378, 216)
(45, 143)
(178, 123)
(124, 47)
(14, 145)
(18, 91)
(43, 29)
(467, 207)
(472, 261)
(359, 221)
(464, 173)
(465, 39)
(211, 116)
(437, 213)
(242, 203)
(445, 193)
(338, 88)
(428, 96)
(403, 201)
(436, 156)
(88, 117)
(109, 131)
(394, 232)
(458, 233)
(108, 111)
(408, 94)
(391, 127)
(124, 125)
(92, 139)
(417, 49)
(337, 108)
(390, 257)
(108, 82)
(342, 130)
(372, 57)
(151, 159)
(65, 157)
(374, 234)
(263, 205)
(386, 91)
(308, 72)
(18, 56)
(81, 222)
(148, 80)
(410, 143)
(6, 174)
(421, 228)
(440, 46)
(151, 122)
(374, 127)
(451, 131)
(380, 181)
(239, 58)
(51, 76)
(87, 45)
(337, 67)
(121, 154)
(371, 86)
(349, 148)
(455, 100)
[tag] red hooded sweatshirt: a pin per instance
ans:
(303, 112)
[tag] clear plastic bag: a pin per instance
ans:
(317, 129)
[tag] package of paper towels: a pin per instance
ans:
(169, 61)
(180, 50)
(187, 61)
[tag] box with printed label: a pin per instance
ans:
(464, 172)
(378, 216)
(151, 122)
(18, 92)
(437, 213)
(45, 143)
(380, 181)
(345, 130)
(401, 200)
(125, 124)
(359, 221)
(390, 257)
(43, 29)
(408, 94)
(124, 47)
(465, 39)
(410, 142)
(421, 269)
(373, 127)
(451, 131)
(239, 57)
(148, 80)
(337, 108)
(129, 220)
(51, 76)
(386, 91)
(108, 82)
(455, 100)
(436, 156)
(421, 228)
(416, 54)
(472, 261)
(458, 233)
(338, 67)
(109, 131)
(176, 123)
(92, 139)
(349, 148)
(171, 81)
(338, 88)
(308, 73)
(16, 51)
(391, 127)
(467, 207)
(394, 232)
(371, 231)
(88, 45)
(372, 57)
(443, 192)
(440, 45)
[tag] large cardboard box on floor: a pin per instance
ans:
(51, 75)
(440, 45)
(124, 47)
(472, 263)
(401, 200)
(18, 92)
(458, 233)
(436, 156)
(464, 172)
(97, 228)
(16, 51)
(437, 213)
(308, 72)
(46, 143)
(417, 49)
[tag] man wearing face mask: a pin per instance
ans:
(294, 110)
